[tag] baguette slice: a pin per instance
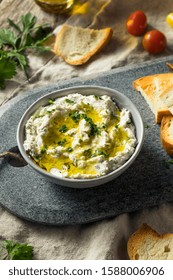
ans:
(147, 244)
(76, 45)
(164, 85)
(148, 87)
(166, 134)
(164, 81)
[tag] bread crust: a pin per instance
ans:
(164, 82)
(138, 240)
(105, 33)
(148, 87)
(167, 98)
(166, 134)
(160, 114)
(158, 92)
(146, 83)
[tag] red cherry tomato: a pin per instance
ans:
(154, 41)
(136, 23)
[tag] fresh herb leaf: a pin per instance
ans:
(69, 101)
(69, 149)
(75, 116)
(87, 153)
(50, 101)
(62, 142)
(99, 152)
(37, 157)
(67, 165)
(11, 250)
(15, 41)
(94, 128)
(14, 25)
(146, 126)
(97, 97)
(7, 70)
(50, 111)
(7, 37)
(63, 128)
(20, 59)
(43, 151)
(28, 21)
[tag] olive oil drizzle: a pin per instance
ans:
(57, 135)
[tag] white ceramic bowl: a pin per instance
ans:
(121, 100)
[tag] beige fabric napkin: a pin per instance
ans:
(123, 49)
(106, 239)
(102, 240)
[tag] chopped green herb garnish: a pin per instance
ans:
(87, 153)
(69, 101)
(84, 116)
(94, 128)
(117, 126)
(67, 165)
(63, 128)
(50, 111)
(69, 149)
(37, 156)
(146, 126)
(43, 151)
(40, 116)
(50, 101)
(75, 116)
(62, 142)
(97, 97)
(99, 152)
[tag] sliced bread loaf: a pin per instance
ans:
(76, 45)
(166, 134)
(148, 86)
(147, 244)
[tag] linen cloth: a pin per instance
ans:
(105, 239)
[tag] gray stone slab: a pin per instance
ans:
(148, 182)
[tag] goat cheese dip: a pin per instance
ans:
(79, 136)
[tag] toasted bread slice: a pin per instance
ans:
(76, 45)
(148, 87)
(166, 134)
(147, 244)
(167, 98)
(164, 84)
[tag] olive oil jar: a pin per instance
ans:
(56, 6)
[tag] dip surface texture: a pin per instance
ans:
(79, 136)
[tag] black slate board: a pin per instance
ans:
(148, 182)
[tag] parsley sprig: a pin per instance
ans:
(10, 250)
(14, 43)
